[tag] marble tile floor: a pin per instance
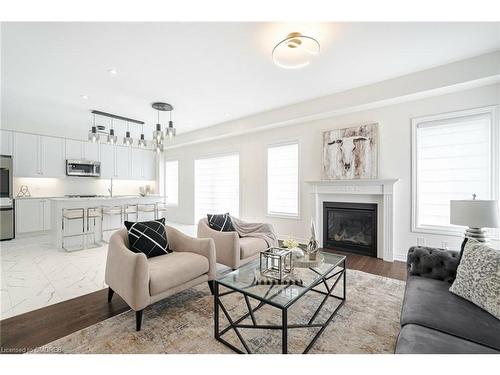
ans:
(35, 273)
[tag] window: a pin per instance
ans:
(283, 179)
(172, 182)
(454, 156)
(217, 186)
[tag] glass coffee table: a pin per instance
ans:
(246, 281)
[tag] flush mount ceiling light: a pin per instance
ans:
(112, 72)
(295, 51)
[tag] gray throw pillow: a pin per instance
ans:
(478, 277)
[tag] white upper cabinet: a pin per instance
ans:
(27, 155)
(91, 151)
(52, 157)
(43, 156)
(136, 161)
(74, 149)
(107, 158)
(149, 165)
(122, 162)
(5, 142)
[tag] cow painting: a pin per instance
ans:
(350, 153)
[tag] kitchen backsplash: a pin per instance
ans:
(54, 187)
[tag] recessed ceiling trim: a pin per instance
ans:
(320, 115)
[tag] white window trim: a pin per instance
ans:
(165, 182)
(217, 155)
(299, 179)
(495, 163)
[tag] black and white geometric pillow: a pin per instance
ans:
(148, 237)
(221, 223)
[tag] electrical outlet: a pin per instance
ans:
(420, 241)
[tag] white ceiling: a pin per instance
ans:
(210, 72)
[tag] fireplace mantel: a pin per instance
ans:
(382, 189)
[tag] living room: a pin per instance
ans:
(218, 187)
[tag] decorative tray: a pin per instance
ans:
(305, 262)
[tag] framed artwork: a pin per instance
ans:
(350, 153)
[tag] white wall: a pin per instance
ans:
(394, 162)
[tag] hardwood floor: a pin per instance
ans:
(36, 328)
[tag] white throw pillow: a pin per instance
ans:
(478, 277)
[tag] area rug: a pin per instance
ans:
(367, 323)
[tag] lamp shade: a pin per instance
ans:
(475, 213)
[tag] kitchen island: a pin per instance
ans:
(76, 226)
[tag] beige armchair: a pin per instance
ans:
(141, 281)
(232, 250)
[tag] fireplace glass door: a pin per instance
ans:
(351, 227)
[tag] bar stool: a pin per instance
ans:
(73, 214)
(92, 214)
(130, 209)
(110, 212)
(146, 208)
(160, 209)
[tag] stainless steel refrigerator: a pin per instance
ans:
(6, 199)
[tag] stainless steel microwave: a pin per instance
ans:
(83, 168)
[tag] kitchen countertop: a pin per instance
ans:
(20, 198)
(106, 198)
(63, 198)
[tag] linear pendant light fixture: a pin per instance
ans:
(158, 134)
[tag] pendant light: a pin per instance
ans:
(127, 140)
(142, 141)
(158, 147)
(158, 136)
(170, 130)
(93, 136)
(112, 138)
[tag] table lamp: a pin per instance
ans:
(475, 214)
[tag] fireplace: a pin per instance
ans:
(350, 227)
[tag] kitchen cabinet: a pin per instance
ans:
(5, 142)
(44, 156)
(74, 149)
(91, 151)
(107, 158)
(47, 223)
(142, 164)
(149, 165)
(52, 157)
(32, 215)
(38, 156)
(122, 162)
(27, 155)
(136, 163)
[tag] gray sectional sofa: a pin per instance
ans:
(434, 320)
